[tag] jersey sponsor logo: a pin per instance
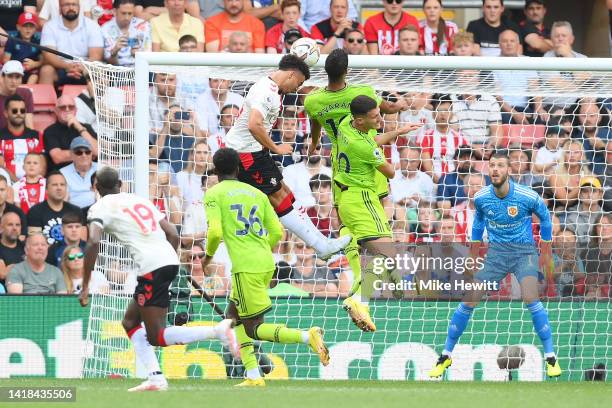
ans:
(512, 210)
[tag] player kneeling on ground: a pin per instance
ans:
(152, 241)
(243, 217)
(505, 208)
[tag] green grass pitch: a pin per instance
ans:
(111, 393)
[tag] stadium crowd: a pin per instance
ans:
(49, 148)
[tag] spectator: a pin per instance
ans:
(314, 11)
(354, 42)
(593, 136)
(297, 176)
(607, 175)
(71, 231)
(521, 167)
(11, 10)
(439, 144)
(148, 9)
(427, 226)
(176, 138)
(275, 36)
(29, 56)
(463, 45)
(478, 116)
(332, 30)
(86, 105)
(194, 221)
(562, 37)
(408, 41)
(287, 133)
(189, 180)
(8, 207)
(78, 173)
(239, 42)
(209, 104)
(417, 113)
(72, 266)
(598, 258)
(34, 275)
(281, 286)
(487, 29)
(10, 81)
(435, 33)
(31, 188)
(536, 36)
(167, 28)
(161, 97)
(565, 182)
(58, 136)
(549, 156)
(125, 34)
(46, 217)
(515, 108)
(450, 185)
(581, 217)
(311, 276)
(381, 30)
(463, 213)
(213, 279)
(163, 194)
(322, 213)
(229, 114)
(17, 140)
(11, 247)
(233, 18)
(75, 35)
(209, 8)
(569, 268)
(51, 9)
(411, 187)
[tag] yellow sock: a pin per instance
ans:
(278, 333)
(247, 352)
(352, 255)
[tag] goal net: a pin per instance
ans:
(161, 123)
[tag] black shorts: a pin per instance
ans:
(153, 288)
(259, 170)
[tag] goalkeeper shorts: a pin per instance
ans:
(250, 293)
(363, 214)
(153, 287)
(498, 264)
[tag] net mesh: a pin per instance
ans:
(554, 125)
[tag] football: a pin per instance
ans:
(510, 358)
(306, 49)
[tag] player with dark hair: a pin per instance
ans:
(326, 107)
(139, 226)
(243, 217)
(505, 209)
(250, 137)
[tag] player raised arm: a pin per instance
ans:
(389, 137)
(387, 169)
(259, 132)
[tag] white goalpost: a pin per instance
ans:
(161, 121)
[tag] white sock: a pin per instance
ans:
(298, 222)
(253, 373)
(145, 351)
(305, 337)
(446, 353)
(184, 334)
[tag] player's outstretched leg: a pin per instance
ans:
(541, 325)
(249, 360)
(297, 221)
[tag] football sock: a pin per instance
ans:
(457, 325)
(298, 222)
(183, 335)
(352, 255)
(278, 333)
(144, 351)
(247, 353)
(539, 316)
(375, 270)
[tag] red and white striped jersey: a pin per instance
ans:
(441, 147)
(29, 194)
(428, 38)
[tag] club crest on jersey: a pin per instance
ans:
(512, 210)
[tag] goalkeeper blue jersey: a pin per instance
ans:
(508, 219)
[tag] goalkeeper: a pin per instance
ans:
(326, 108)
(505, 209)
(243, 217)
